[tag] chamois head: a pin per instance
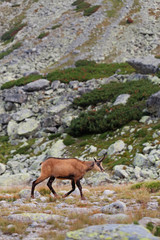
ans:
(98, 163)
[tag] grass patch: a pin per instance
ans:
(9, 35)
(9, 50)
(53, 136)
(4, 139)
(152, 186)
(68, 140)
(82, 6)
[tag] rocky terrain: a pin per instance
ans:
(38, 118)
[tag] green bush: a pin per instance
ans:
(11, 49)
(90, 10)
(43, 34)
(68, 140)
(53, 136)
(9, 35)
(21, 81)
(23, 150)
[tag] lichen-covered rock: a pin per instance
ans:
(119, 170)
(140, 160)
(115, 207)
(36, 217)
(21, 115)
(28, 127)
(111, 232)
(14, 95)
(116, 147)
(57, 149)
(2, 168)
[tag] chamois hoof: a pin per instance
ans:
(83, 198)
(64, 196)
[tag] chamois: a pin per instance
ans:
(66, 168)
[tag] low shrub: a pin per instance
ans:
(141, 133)
(84, 62)
(12, 32)
(4, 139)
(53, 136)
(90, 10)
(9, 50)
(43, 34)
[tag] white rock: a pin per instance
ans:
(116, 147)
(121, 99)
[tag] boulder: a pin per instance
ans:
(115, 207)
(57, 149)
(51, 121)
(112, 232)
(121, 99)
(116, 147)
(12, 128)
(22, 115)
(14, 95)
(30, 126)
(36, 85)
(55, 85)
(153, 104)
(15, 180)
(146, 65)
(2, 168)
(26, 194)
(140, 160)
(119, 170)
(98, 178)
(4, 118)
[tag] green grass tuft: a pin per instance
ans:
(12, 32)
(9, 50)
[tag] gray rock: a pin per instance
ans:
(27, 128)
(121, 99)
(98, 178)
(148, 64)
(74, 84)
(115, 207)
(51, 121)
(22, 115)
(108, 192)
(55, 85)
(4, 118)
(120, 171)
(12, 128)
(153, 104)
(36, 85)
(140, 160)
(57, 149)
(14, 95)
(112, 232)
(114, 218)
(116, 147)
(9, 106)
(26, 194)
(145, 220)
(2, 168)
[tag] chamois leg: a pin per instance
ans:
(73, 188)
(39, 180)
(80, 189)
(49, 184)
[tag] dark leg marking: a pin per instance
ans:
(80, 189)
(73, 188)
(39, 180)
(49, 184)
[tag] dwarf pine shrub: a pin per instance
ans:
(90, 10)
(9, 35)
(9, 50)
(111, 118)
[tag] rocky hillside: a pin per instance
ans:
(80, 79)
(57, 33)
